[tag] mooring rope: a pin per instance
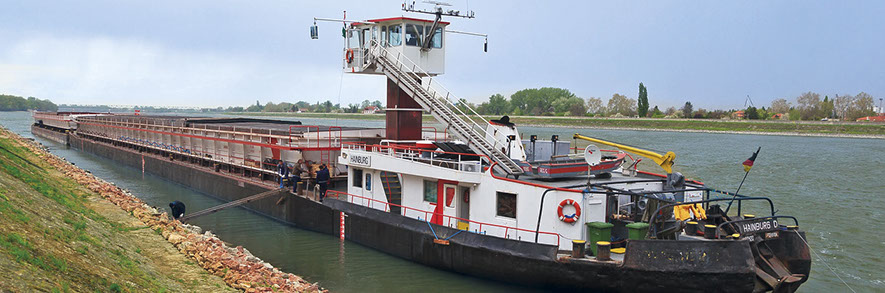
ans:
(824, 262)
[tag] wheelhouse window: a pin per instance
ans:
(395, 33)
(430, 191)
(436, 39)
(506, 204)
(384, 36)
(353, 38)
(358, 178)
(413, 34)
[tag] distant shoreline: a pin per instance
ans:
(763, 127)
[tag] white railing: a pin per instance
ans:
(422, 156)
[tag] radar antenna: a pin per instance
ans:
(438, 12)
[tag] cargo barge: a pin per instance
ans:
(478, 199)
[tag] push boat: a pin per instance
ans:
(473, 197)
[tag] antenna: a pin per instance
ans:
(437, 9)
(438, 12)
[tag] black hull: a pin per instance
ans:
(677, 266)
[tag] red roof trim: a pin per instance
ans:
(405, 18)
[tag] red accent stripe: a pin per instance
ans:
(405, 18)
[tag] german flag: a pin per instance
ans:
(748, 164)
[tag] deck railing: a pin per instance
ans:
(385, 206)
(426, 156)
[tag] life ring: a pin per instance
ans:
(349, 56)
(569, 218)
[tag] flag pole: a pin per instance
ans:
(747, 168)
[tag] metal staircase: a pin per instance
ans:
(409, 76)
(394, 190)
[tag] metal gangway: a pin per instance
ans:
(408, 75)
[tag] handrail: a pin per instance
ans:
(796, 221)
(391, 150)
(336, 194)
(654, 216)
(381, 49)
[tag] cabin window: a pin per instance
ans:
(430, 191)
(395, 35)
(358, 178)
(506, 204)
(413, 34)
(436, 39)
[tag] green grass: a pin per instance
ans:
(23, 252)
(11, 212)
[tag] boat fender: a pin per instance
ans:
(569, 218)
(349, 55)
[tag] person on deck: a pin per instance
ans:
(284, 172)
(323, 180)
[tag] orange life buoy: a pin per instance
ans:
(349, 55)
(569, 218)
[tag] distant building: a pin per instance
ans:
(738, 114)
(880, 118)
(371, 110)
(777, 116)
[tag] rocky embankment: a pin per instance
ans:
(238, 268)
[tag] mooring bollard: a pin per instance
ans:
(603, 250)
(710, 231)
(578, 248)
(691, 228)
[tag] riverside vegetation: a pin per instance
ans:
(66, 230)
(836, 129)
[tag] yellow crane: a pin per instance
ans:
(665, 160)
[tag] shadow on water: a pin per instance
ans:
(833, 185)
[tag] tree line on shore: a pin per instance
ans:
(302, 106)
(16, 103)
(548, 101)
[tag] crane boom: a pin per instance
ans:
(665, 160)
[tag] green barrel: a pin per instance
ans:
(637, 231)
(598, 231)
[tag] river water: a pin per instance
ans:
(834, 186)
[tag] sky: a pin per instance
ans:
(222, 53)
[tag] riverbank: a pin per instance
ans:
(66, 230)
(762, 127)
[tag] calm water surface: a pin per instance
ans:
(833, 185)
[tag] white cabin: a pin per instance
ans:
(413, 40)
